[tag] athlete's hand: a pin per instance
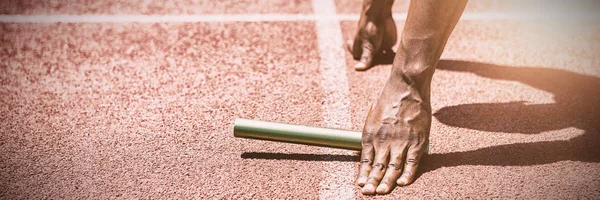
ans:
(373, 40)
(395, 135)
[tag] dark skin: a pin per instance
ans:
(396, 131)
(376, 33)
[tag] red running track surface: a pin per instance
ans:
(145, 110)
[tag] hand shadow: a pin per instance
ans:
(577, 104)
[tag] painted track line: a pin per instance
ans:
(338, 178)
(276, 17)
(155, 18)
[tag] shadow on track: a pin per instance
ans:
(577, 104)
(296, 156)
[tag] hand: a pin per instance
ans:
(395, 135)
(373, 41)
(396, 132)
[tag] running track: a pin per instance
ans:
(136, 99)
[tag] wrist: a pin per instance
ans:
(411, 83)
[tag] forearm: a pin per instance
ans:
(428, 26)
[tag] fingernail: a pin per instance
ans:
(360, 66)
(368, 189)
(383, 188)
(402, 181)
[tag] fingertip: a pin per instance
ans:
(401, 182)
(360, 66)
(368, 189)
(383, 189)
(404, 180)
(361, 181)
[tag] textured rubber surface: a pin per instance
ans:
(146, 110)
(153, 7)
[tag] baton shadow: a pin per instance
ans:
(298, 156)
(576, 104)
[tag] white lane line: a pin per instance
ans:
(277, 17)
(484, 16)
(338, 178)
(155, 18)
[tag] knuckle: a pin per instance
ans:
(416, 138)
(379, 166)
(367, 137)
(412, 136)
(367, 133)
(412, 161)
(366, 145)
(395, 166)
(383, 136)
(366, 161)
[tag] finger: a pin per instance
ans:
(393, 171)
(377, 170)
(355, 48)
(366, 59)
(411, 164)
(366, 160)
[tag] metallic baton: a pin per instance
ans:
(299, 134)
(291, 133)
